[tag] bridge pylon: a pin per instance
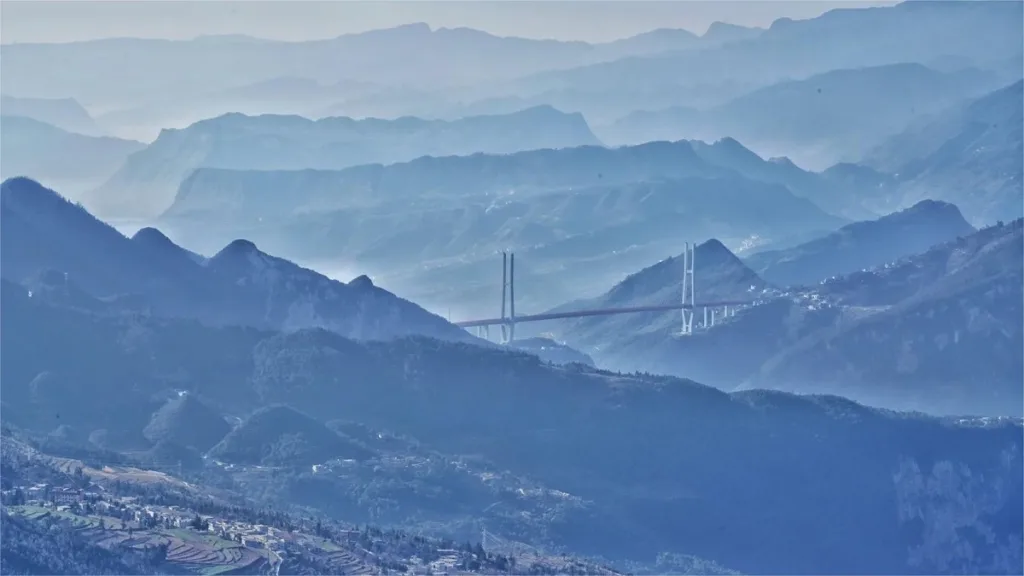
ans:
(508, 294)
(689, 290)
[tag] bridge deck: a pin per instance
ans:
(597, 312)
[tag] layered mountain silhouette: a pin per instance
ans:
(45, 152)
(239, 285)
(937, 331)
(968, 154)
(987, 35)
(581, 216)
(832, 116)
(268, 142)
(412, 54)
(862, 245)
(654, 460)
(247, 196)
(64, 113)
(857, 408)
(951, 341)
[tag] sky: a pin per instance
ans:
(70, 20)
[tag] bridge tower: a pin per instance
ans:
(508, 294)
(689, 290)
(512, 297)
(504, 295)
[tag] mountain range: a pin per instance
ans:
(952, 305)
(236, 141)
(626, 467)
(817, 121)
(64, 113)
(416, 70)
(968, 154)
(937, 331)
(412, 54)
(72, 161)
(987, 38)
(42, 232)
(862, 245)
(580, 217)
(232, 343)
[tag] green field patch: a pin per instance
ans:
(211, 540)
(30, 512)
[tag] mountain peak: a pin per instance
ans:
(362, 281)
(237, 248)
(151, 236)
(782, 160)
(726, 32)
(734, 146)
(26, 192)
(933, 207)
(187, 421)
(266, 427)
(411, 28)
(239, 259)
(714, 253)
(714, 246)
(729, 142)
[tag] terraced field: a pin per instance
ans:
(40, 513)
(347, 563)
(186, 550)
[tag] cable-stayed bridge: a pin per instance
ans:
(687, 305)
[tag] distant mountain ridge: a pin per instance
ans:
(883, 335)
(968, 154)
(266, 142)
(240, 285)
(577, 216)
(988, 38)
(955, 343)
(45, 152)
(818, 120)
(242, 194)
(406, 54)
(64, 113)
(863, 245)
(913, 32)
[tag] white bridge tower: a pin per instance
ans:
(688, 300)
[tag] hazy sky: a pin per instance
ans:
(62, 21)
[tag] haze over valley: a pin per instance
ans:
(760, 312)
